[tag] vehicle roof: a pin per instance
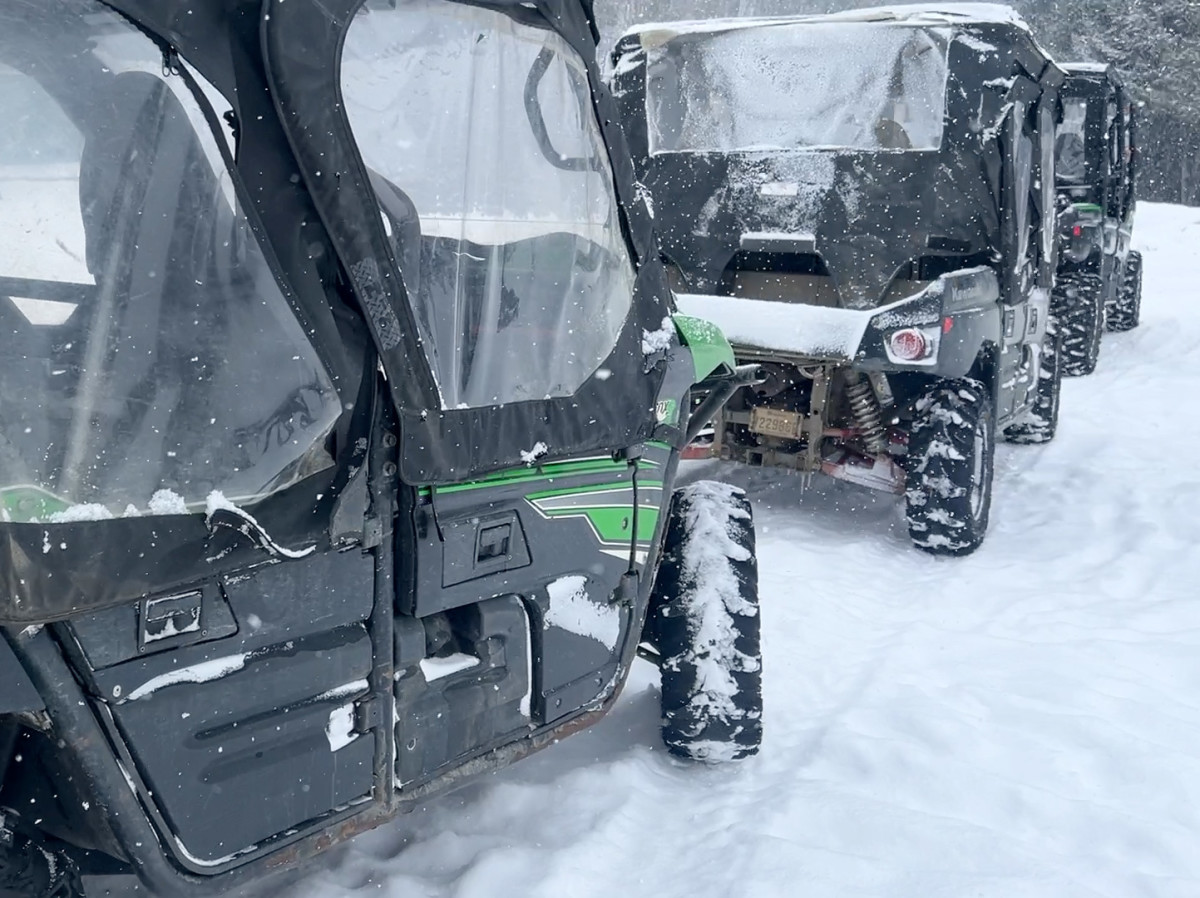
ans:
(1091, 71)
(1092, 77)
(904, 14)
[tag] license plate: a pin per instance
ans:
(775, 423)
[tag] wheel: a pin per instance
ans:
(1126, 311)
(1039, 424)
(951, 448)
(704, 624)
(1079, 311)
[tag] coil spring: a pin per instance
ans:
(864, 407)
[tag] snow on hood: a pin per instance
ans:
(814, 331)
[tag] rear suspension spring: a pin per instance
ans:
(866, 411)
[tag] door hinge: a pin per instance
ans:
(372, 532)
(368, 714)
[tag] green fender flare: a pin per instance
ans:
(711, 352)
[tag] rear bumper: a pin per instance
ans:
(858, 337)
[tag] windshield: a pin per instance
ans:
(858, 86)
(147, 355)
(496, 189)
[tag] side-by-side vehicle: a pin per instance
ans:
(1099, 276)
(343, 395)
(865, 203)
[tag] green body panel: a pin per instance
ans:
(593, 488)
(711, 352)
(607, 507)
(613, 524)
(598, 465)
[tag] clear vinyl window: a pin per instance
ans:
(1070, 142)
(147, 355)
(496, 189)
(799, 86)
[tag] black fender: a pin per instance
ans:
(968, 339)
(18, 694)
(966, 315)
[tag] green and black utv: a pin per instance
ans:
(864, 203)
(342, 399)
(1099, 280)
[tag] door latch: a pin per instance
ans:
(170, 616)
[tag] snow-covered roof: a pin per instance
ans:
(905, 14)
(934, 14)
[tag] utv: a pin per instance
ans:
(864, 203)
(1099, 276)
(342, 403)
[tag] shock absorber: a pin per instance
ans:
(867, 414)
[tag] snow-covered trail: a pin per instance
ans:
(1023, 722)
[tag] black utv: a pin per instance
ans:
(1099, 276)
(864, 202)
(342, 402)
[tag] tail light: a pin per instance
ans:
(908, 345)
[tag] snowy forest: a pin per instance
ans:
(1154, 43)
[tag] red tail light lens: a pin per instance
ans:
(909, 345)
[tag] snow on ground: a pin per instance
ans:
(1024, 722)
